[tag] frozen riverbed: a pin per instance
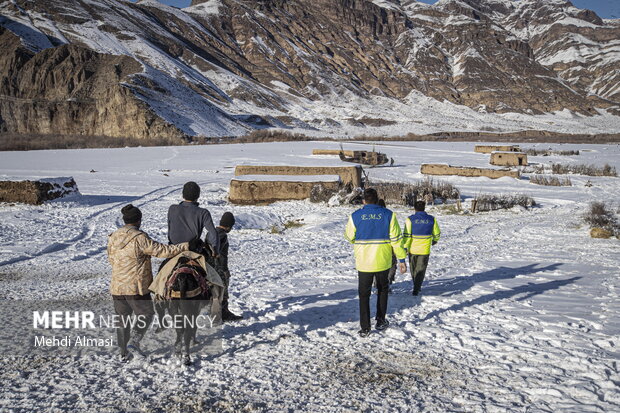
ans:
(519, 311)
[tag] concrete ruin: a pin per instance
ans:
(36, 192)
(365, 158)
(265, 189)
(508, 159)
(443, 169)
(332, 152)
(371, 158)
(496, 148)
(348, 174)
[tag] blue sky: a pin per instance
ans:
(607, 9)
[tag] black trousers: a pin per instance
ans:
(418, 264)
(365, 280)
(125, 306)
(392, 271)
(225, 275)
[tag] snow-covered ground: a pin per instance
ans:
(520, 309)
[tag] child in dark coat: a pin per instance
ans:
(221, 262)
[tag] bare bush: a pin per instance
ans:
(578, 169)
(320, 193)
(550, 180)
(490, 202)
(271, 135)
(601, 215)
(406, 194)
(548, 152)
(531, 136)
(19, 142)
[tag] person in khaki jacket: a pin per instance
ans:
(129, 253)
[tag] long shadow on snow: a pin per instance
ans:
(346, 309)
(434, 287)
(530, 290)
(307, 319)
(302, 300)
(456, 285)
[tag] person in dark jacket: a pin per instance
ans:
(221, 262)
(186, 220)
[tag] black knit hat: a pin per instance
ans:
(131, 214)
(228, 220)
(191, 191)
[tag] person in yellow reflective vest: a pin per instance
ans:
(374, 232)
(392, 272)
(421, 231)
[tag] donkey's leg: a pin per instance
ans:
(190, 313)
(174, 311)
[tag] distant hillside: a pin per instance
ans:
(224, 68)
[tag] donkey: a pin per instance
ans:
(187, 290)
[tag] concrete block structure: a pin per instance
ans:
(36, 192)
(443, 169)
(332, 152)
(496, 148)
(348, 174)
(265, 189)
(508, 159)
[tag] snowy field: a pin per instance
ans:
(519, 312)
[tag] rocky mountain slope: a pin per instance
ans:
(226, 67)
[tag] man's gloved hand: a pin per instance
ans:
(196, 245)
(434, 242)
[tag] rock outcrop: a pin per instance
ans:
(70, 89)
(224, 67)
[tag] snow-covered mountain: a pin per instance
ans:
(226, 67)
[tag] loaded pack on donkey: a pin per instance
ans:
(185, 285)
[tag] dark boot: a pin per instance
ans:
(134, 344)
(227, 315)
(382, 324)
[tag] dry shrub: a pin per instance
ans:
(406, 194)
(601, 215)
(491, 202)
(19, 142)
(578, 169)
(271, 135)
(550, 180)
(532, 136)
(294, 224)
(320, 193)
(548, 152)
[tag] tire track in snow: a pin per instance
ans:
(91, 225)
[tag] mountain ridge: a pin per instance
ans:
(224, 67)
